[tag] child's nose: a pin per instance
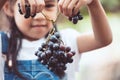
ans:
(39, 15)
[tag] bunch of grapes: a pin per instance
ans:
(55, 55)
(76, 17)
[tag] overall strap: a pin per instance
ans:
(4, 39)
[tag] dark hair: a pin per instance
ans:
(15, 42)
(14, 46)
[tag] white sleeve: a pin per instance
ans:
(69, 36)
(1, 62)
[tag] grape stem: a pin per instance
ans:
(49, 35)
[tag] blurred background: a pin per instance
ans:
(103, 63)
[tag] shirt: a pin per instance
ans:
(69, 37)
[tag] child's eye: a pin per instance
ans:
(49, 5)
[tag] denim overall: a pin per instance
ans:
(30, 69)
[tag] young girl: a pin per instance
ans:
(27, 34)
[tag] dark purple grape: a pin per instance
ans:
(43, 56)
(36, 53)
(70, 60)
(61, 53)
(27, 8)
(39, 59)
(53, 62)
(44, 45)
(64, 67)
(19, 9)
(69, 55)
(40, 49)
(56, 46)
(62, 47)
(57, 35)
(50, 45)
(53, 38)
(75, 19)
(73, 52)
(80, 17)
(44, 62)
(67, 49)
(27, 15)
(48, 53)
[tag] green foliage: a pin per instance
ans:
(111, 5)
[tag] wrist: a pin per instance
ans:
(93, 4)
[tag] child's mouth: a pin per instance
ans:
(38, 26)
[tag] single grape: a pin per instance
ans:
(44, 45)
(56, 46)
(73, 52)
(69, 55)
(40, 49)
(57, 35)
(53, 38)
(50, 44)
(67, 49)
(62, 47)
(48, 53)
(80, 17)
(27, 8)
(75, 19)
(70, 60)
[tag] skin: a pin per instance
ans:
(36, 27)
(101, 36)
(32, 28)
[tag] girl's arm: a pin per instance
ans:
(102, 35)
(2, 2)
(101, 30)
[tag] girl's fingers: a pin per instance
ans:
(32, 4)
(71, 7)
(60, 4)
(22, 6)
(40, 4)
(79, 4)
(65, 7)
(77, 7)
(36, 6)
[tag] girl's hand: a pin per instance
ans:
(71, 7)
(36, 6)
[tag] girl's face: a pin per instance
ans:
(39, 26)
